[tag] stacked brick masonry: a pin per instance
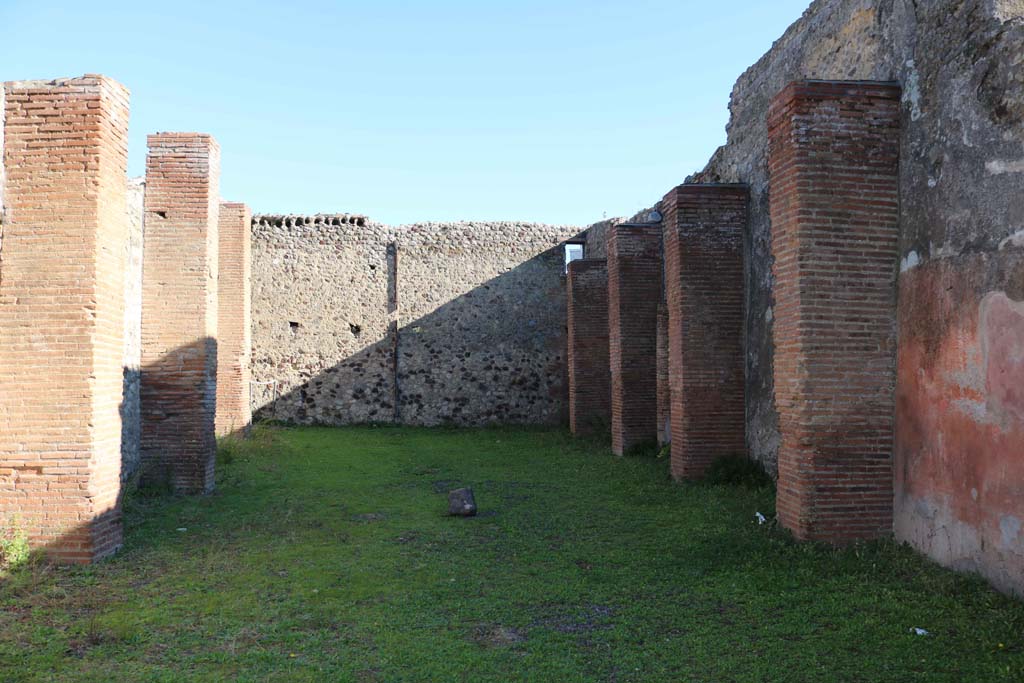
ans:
(833, 163)
(234, 328)
(634, 290)
(663, 386)
(62, 318)
(179, 330)
(703, 228)
(589, 378)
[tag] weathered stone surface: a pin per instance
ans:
(131, 416)
(461, 503)
(425, 324)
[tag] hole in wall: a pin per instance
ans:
(162, 214)
(355, 329)
(293, 326)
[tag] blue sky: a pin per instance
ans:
(557, 111)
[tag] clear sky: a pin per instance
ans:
(559, 111)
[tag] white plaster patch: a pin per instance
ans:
(1007, 10)
(1001, 166)
(912, 91)
(1014, 240)
(911, 260)
(1009, 530)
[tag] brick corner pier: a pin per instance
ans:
(179, 311)
(62, 313)
(833, 165)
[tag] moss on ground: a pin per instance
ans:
(325, 555)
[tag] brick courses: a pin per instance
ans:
(833, 164)
(179, 311)
(663, 386)
(703, 229)
(589, 379)
(62, 313)
(634, 290)
(234, 333)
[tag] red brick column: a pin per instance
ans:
(179, 311)
(634, 290)
(833, 163)
(234, 333)
(62, 287)
(663, 387)
(704, 227)
(589, 378)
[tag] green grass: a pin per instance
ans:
(325, 555)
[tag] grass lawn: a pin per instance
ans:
(325, 555)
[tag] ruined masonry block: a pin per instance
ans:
(634, 290)
(703, 230)
(833, 164)
(62, 313)
(589, 379)
(234, 334)
(179, 311)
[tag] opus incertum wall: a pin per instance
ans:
(833, 163)
(62, 313)
(179, 311)
(424, 324)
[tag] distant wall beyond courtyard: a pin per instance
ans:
(425, 324)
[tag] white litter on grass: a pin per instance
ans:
(919, 631)
(761, 519)
(182, 528)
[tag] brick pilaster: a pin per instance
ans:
(62, 308)
(179, 311)
(663, 386)
(589, 378)
(234, 334)
(634, 290)
(704, 227)
(833, 164)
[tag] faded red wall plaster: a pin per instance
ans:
(960, 414)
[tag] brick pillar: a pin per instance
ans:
(634, 290)
(833, 164)
(589, 379)
(234, 334)
(704, 227)
(62, 313)
(179, 311)
(664, 391)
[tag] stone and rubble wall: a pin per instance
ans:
(131, 415)
(425, 324)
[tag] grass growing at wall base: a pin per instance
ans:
(325, 555)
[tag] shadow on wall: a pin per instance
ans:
(492, 355)
(179, 403)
